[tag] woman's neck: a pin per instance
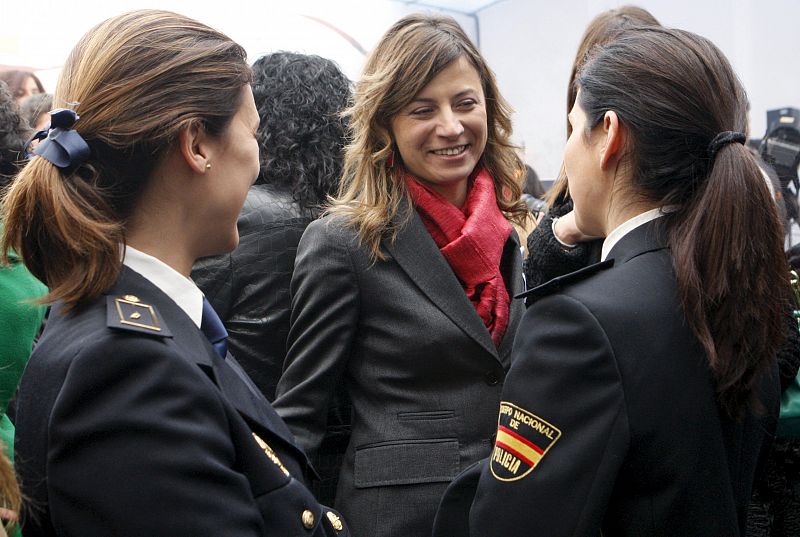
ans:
(619, 213)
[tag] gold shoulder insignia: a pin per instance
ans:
(270, 453)
(523, 439)
(128, 312)
(335, 521)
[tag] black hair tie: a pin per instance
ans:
(60, 143)
(722, 139)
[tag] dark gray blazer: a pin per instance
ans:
(419, 366)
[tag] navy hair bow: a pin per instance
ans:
(61, 145)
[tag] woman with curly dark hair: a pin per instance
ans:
(301, 137)
(13, 133)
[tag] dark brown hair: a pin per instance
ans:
(136, 81)
(603, 29)
(16, 80)
(674, 92)
(411, 54)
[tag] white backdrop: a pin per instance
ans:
(529, 43)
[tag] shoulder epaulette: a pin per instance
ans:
(127, 312)
(559, 282)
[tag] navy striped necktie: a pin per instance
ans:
(213, 329)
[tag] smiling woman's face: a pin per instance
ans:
(441, 133)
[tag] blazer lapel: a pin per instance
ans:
(512, 271)
(417, 254)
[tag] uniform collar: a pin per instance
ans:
(179, 288)
(629, 225)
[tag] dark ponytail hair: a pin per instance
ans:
(136, 81)
(674, 92)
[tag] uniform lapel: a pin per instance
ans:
(648, 237)
(235, 386)
(419, 257)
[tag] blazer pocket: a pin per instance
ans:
(406, 462)
(426, 415)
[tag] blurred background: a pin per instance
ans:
(530, 44)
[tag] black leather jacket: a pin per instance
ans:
(249, 288)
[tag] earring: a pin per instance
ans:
(208, 166)
(390, 160)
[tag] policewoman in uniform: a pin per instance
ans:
(131, 418)
(642, 387)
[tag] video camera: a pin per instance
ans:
(780, 148)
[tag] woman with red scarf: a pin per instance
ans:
(403, 293)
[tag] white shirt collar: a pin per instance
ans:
(629, 225)
(178, 287)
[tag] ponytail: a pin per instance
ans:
(684, 108)
(727, 253)
(64, 231)
(134, 82)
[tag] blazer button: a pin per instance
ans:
(308, 519)
(492, 378)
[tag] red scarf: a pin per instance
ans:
(472, 240)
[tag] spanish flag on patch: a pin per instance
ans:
(522, 441)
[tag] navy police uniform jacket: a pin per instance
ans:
(129, 423)
(608, 422)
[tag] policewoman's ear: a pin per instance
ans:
(193, 142)
(613, 147)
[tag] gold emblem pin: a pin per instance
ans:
(335, 521)
(133, 312)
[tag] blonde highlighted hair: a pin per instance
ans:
(10, 495)
(414, 50)
(136, 81)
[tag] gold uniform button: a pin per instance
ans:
(308, 519)
(131, 298)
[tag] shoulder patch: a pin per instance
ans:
(559, 282)
(523, 439)
(127, 312)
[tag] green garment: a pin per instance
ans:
(20, 321)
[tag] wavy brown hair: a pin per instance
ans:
(136, 81)
(10, 495)
(603, 29)
(674, 92)
(414, 50)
